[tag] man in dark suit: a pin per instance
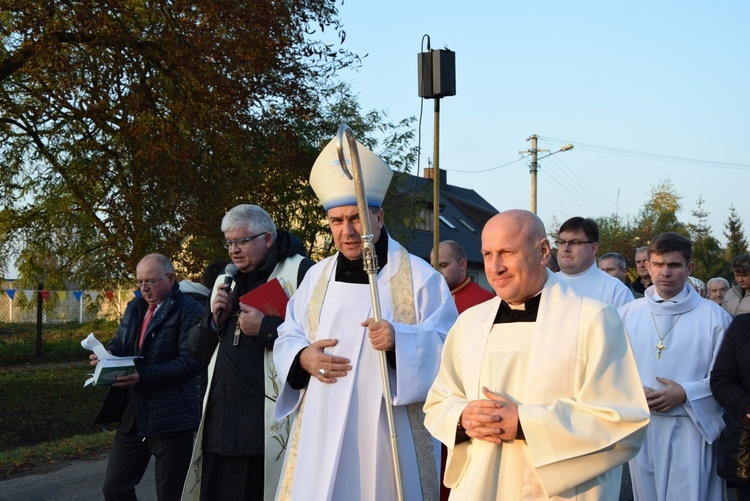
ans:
(158, 406)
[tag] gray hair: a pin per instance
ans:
(722, 280)
(638, 250)
(249, 216)
(619, 259)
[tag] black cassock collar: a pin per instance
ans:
(507, 315)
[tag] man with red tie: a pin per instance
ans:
(158, 406)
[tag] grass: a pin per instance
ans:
(60, 342)
(46, 414)
(21, 460)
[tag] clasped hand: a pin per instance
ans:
(494, 420)
(669, 397)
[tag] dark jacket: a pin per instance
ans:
(168, 388)
(234, 423)
(730, 377)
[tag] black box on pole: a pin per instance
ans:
(436, 72)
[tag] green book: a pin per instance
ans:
(109, 367)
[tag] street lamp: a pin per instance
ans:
(534, 164)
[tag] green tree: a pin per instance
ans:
(736, 241)
(128, 128)
(659, 214)
(616, 235)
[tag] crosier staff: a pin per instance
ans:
(370, 264)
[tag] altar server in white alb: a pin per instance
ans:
(675, 335)
(327, 352)
(538, 395)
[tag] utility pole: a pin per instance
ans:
(535, 164)
(436, 186)
(533, 168)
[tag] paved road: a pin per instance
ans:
(82, 481)
(77, 481)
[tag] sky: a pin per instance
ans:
(646, 91)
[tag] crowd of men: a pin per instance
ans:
(542, 388)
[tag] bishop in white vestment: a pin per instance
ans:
(327, 355)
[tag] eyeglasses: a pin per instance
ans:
(229, 243)
(572, 243)
(151, 283)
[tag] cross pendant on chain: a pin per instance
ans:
(237, 332)
(659, 347)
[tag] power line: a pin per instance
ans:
(651, 156)
(589, 190)
(484, 170)
(564, 186)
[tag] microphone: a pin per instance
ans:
(230, 271)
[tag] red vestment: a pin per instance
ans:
(469, 294)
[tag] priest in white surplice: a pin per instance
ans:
(577, 244)
(327, 353)
(537, 396)
(675, 335)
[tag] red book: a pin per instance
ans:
(270, 298)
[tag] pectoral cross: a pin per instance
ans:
(659, 347)
(237, 332)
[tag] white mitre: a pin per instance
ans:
(334, 189)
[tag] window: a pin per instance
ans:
(467, 225)
(446, 222)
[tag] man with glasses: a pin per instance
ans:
(577, 243)
(239, 450)
(157, 406)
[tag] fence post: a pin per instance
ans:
(39, 305)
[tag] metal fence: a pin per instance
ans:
(21, 306)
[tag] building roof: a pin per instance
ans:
(463, 215)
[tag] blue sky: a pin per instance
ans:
(668, 79)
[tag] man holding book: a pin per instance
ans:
(158, 405)
(239, 449)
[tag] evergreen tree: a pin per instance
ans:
(707, 252)
(736, 241)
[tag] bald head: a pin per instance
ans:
(452, 263)
(515, 250)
